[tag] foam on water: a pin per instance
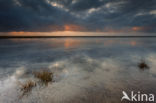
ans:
(80, 79)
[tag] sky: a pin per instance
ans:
(77, 17)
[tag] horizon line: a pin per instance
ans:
(119, 36)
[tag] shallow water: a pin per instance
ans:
(90, 70)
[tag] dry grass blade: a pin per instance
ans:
(44, 76)
(142, 65)
(27, 87)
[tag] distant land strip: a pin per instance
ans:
(22, 37)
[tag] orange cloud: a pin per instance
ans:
(16, 33)
(20, 33)
(140, 28)
(112, 30)
(72, 27)
(137, 28)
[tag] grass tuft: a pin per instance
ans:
(44, 76)
(27, 87)
(143, 65)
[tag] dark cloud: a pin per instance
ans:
(52, 15)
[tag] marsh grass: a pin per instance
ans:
(27, 87)
(143, 65)
(44, 76)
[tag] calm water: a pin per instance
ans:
(90, 70)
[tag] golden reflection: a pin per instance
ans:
(69, 43)
(22, 40)
(109, 42)
(119, 42)
(78, 42)
(133, 43)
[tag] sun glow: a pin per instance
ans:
(72, 27)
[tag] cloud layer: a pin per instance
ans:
(78, 15)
